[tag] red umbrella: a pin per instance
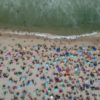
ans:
(67, 71)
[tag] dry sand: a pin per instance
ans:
(8, 40)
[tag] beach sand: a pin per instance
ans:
(36, 90)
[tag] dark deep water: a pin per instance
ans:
(54, 16)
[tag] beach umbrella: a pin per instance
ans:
(30, 83)
(58, 68)
(95, 64)
(51, 97)
(67, 53)
(74, 98)
(57, 97)
(77, 71)
(65, 60)
(67, 71)
(58, 50)
(94, 48)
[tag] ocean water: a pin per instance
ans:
(63, 17)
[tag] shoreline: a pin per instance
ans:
(47, 35)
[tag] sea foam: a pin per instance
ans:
(47, 35)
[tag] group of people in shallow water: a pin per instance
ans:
(50, 72)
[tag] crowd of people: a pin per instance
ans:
(49, 72)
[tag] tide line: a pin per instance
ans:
(47, 35)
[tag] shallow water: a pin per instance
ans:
(64, 17)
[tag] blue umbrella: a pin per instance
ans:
(58, 68)
(58, 50)
(94, 49)
(74, 98)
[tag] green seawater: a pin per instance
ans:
(63, 17)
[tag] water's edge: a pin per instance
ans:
(47, 35)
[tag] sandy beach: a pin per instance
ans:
(37, 68)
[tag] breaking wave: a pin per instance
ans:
(47, 35)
